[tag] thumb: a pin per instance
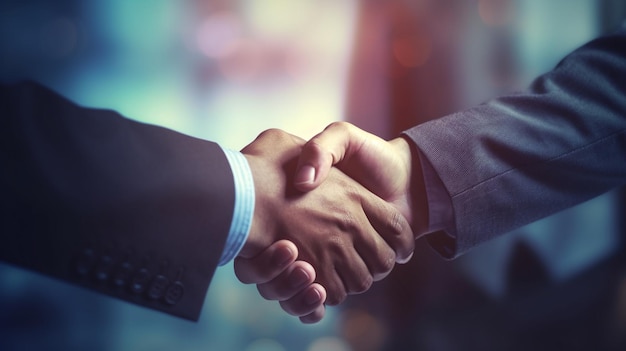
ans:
(321, 153)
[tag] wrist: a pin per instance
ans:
(402, 149)
(416, 189)
(259, 228)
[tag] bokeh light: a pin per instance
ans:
(227, 70)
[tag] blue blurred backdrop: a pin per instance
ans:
(227, 70)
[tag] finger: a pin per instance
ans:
(323, 151)
(267, 265)
(374, 250)
(329, 276)
(291, 281)
(376, 253)
(308, 301)
(391, 226)
(314, 316)
(354, 274)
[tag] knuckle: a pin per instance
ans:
(340, 125)
(396, 224)
(316, 147)
(319, 148)
(401, 233)
(335, 243)
(347, 223)
(272, 133)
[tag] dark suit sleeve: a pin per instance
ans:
(522, 157)
(127, 209)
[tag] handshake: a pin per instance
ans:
(320, 233)
(114, 204)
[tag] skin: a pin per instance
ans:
(389, 169)
(280, 277)
(349, 235)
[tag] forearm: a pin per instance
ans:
(522, 157)
(90, 185)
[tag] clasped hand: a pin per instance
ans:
(318, 234)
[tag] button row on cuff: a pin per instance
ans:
(140, 281)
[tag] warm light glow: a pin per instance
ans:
(363, 331)
(216, 36)
(282, 18)
(412, 51)
(245, 62)
(494, 12)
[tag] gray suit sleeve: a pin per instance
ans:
(522, 157)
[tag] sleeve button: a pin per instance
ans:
(174, 293)
(84, 262)
(121, 276)
(103, 267)
(140, 281)
(157, 287)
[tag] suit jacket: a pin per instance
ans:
(127, 209)
(522, 157)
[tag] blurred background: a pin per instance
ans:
(227, 70)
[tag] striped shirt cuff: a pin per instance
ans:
(244, 205)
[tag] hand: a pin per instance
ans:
(336, 228)
(278, 277)
(386, 168)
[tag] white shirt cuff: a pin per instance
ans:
(244, 205)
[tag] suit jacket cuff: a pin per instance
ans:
(441, 224)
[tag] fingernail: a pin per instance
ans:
(298, 278)
(306, 175)
(406, 260)
(312, 297)
(282, 257)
